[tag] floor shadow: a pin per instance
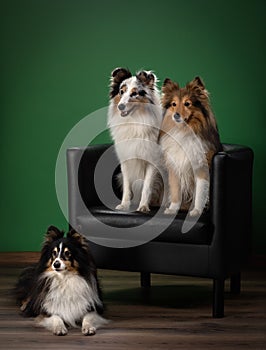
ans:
(163, 296)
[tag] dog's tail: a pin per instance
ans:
(22, 289)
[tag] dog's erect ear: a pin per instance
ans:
(167, 81)
(196, 83)
(169, 89)
(75, 235)
(120, 74)
(197, 86)
(169, 86)
(72, 234)
(117, 76)
(53, 233)
(146, 78)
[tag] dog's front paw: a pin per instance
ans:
(143, 208)
(53, 323)
(194, 212)
(123, 207)
(169, 211)
(88, 330)
(60, 330)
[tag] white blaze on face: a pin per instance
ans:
(58, 264)
(128, 93)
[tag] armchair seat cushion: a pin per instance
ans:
(200, 234)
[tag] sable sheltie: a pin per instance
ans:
(62, 289)
(134, 119)
(189, 139)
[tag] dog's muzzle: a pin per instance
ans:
(57, 265)
(122, 108)
(177, 118)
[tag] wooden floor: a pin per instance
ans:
(175, 314)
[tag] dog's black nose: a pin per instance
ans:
(121, 106)
(177, 117)
(56, 264)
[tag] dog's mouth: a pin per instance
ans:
(58, 266)
(125, 112)
(59, 270)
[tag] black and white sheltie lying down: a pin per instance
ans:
(62, 289)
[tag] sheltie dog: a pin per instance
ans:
(189, 138)
(62, 289)
(134, 119)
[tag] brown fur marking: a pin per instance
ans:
(193, 106)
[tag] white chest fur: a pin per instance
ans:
(185, 153)
(69, 297)
(184, 150)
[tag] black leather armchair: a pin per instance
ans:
(215, 247)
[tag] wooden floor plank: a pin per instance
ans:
(174, 314)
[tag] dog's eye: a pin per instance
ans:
(67, 254)
(187, 104)
(121, 92)
(173, 104)
(54, 253)
(142, 92)
(133, 94)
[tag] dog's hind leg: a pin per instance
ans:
(53, 323)
(91, 321)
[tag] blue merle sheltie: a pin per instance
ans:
(134, 120)
(62, 289)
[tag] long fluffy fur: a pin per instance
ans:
(134, 119)
(62, 289)
(189, 138)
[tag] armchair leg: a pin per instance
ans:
(235, 283)
(218, 298)
(145, 279)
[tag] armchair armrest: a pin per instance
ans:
(231, 205)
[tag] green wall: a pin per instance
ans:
(56, 59)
